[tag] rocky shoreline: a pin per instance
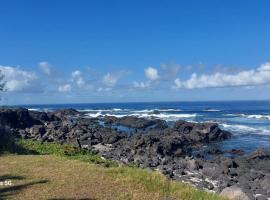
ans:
(183, 151)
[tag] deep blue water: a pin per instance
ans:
(249, 121)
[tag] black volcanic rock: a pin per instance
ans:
(63, 113)
(155, 145)
(17, 118)
(43, 116)
(201, 132)
(132, 121)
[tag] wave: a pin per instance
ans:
(117, 109)
(98, 114)
(169, 110)
(158, 110)
(164, 116)
(175, 117)
(243, 129)
(263, 117)
(259, 117)
(144, 111)
(102, 110)
(211, 110)
(33, 109)
(230, 115)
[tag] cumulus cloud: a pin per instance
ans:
(151, 73)
(111, 79)
(253, 77)
(18, 80)
(78, 79)
(45, 67)
(64, 88)
(154, 76)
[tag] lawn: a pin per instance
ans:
(59, 172)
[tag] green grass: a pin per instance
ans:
(66, 150)
(136, 183)
(156, 182)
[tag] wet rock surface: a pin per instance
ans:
(153, 144)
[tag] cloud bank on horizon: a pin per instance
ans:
(253, 77)
(166, 77)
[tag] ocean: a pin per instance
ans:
(249, 121)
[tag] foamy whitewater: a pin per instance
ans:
(249, 121)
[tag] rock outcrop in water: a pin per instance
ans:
(152, 143)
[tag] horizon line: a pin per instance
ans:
(132, 102)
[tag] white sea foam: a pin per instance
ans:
(117, 109)
(102, 110)
(159, 110)
(164, 116)
(230, 115)
(144, 111)
(94, 114)
(116, 115)
(33, 109)
(169, 110)
(211, 110)
(262, 117)
(244, 129)
(259, 117)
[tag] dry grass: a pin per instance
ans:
(63, 172)
(64, 178)
(55, 177)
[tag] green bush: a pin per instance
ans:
(66, 150)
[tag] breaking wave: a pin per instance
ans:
(262, 117)
(259, 117)
(244, 129)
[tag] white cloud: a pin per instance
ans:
(141, 84)
(110, 80)
(76, 73)
(178, 83)
(167, 73)
(64, 88)
(101, 89)
(264, 67)
(18, 80)
(254, 77)
(45, 67)
(78, 79)
(151, 73)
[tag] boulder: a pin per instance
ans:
(234, 193)
(265, 183)
(262, 154)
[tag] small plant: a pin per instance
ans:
(65, 150)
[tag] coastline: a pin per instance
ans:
(153, 144)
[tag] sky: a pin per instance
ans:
(70, 51)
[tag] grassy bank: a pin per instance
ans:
(62, 172)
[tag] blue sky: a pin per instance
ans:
(116, 51)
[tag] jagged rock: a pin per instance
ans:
(153, 144)
(63, 113)
(234, 193)
(17, 118)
